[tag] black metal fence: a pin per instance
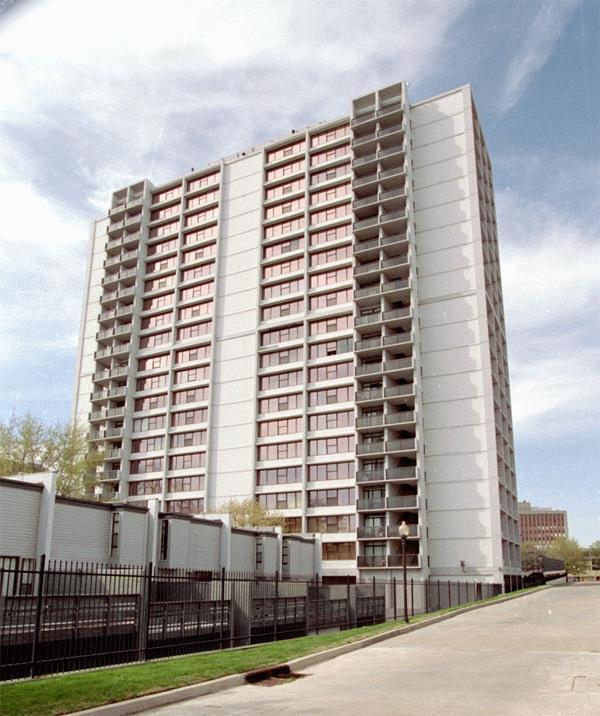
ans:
(59, 616)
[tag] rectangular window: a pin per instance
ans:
(328, 278)
(164, 539)
(147, 444)
(280, 500)
(279, 427)
(280, 380)
(282, 309)
(193, 395)
(332, 371)
(334, 233)
(151, 402)
(330, 348)
(329, 155)
(145, 487)
(198, 235)
(162, 247)
(189, 417)
(161, 361)
(150, 304)
(159, 283)
(150, 464)
(280, 404)
(281, 335)
(179, 440)
(199, 182)
(283, 267)
(156, 422)
(282, 247)
(194, 331)
(329, 174)
(331, 298)
(285, 207)
(340, 253)
(279, 451)
(284, 227)
(339, 191)
(330, 135)
(189, 483)
(283, 289)
(331, 213)
(287, 151)
(198, 254)
(166, 194)
(202, 217)
(192, 374)
(160, 319)
(114, 533)
(330, 325)
(258, 552)
(193, 354)
(331, 498)
(198, 271)
(332, 523)
(331, 446)
(202, 199)
(279, 475)
(198, 309)
(164, 229)
(285, 171)
(187, 462)
(291, 355)
(165, 212)
(292, 525)
(202, 289)
(339, 550)
(330, 396)
(186, 507)
(331, 471)
(329, 421)
(284, 189)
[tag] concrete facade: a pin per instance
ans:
(316, 323)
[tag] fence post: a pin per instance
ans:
(374, 598)
(459, 602)
(347, 601)
(317, 603)
(144, 621)
(427, 596)
(222, 608)
(38, 614)
(449, 594)
(412, 597)
(276, 609)
(439, 601)
(395, 598)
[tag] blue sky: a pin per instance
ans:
(97, 95)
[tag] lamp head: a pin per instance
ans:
(404, 530)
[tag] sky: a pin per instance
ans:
(95, 96)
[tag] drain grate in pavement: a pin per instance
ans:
(586, 684)
(272, 676)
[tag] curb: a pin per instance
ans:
(183, 693)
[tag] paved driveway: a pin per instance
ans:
(535, 655)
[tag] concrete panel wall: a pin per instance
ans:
(19, 514)
(133, 535)
(243, 552)
(457, 411)
(71, 521)
(233, 405)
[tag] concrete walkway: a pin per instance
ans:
(536, 655)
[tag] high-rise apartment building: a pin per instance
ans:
(316, 323)
(541, 525)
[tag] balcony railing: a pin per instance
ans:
(399, 445)
(369, 394)
(396, 390)
(393, 531)
(394, 105)
(398, 364)
(397, 338)
(368, 343)
(402, 501)
(374, 532)
(368, 368)
(371, 560)
(364, 223)
(397, 313)
(404, 416)
(369, 448)
(412, 560)
(391, 474)
(370, 476)
(370, 504)
(367, 318)
(395, 285)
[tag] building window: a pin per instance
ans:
(164, 539)
(259, 553)
(339, 550)
(114, 534)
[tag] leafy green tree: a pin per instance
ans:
(249, 513)
(531, 557)
(29, 446)
(571, 552)
(594, 549)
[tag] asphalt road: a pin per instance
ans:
(539, 655)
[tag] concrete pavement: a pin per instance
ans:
(536, 655)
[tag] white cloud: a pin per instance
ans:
(550, 270)
(536, 49)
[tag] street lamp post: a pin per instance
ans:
(404, 531)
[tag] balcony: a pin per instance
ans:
(399, 390)
(365, 505)
(400, 418)
(370, 448)
(368, 369)
(397, 339)
(110, 475)
(413, 561)
(369, 394)
(413, 532)
(375, 532)
(371, 560)
(394, 314)
(402, 502)
(392, 105)
(393, 474)
(115, 412)
(408, 444)
(362, 117)
(370, 476)
(113, 453)
(368, 319)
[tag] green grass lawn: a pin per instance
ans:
(63, 694)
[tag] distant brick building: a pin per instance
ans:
(541, 525)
